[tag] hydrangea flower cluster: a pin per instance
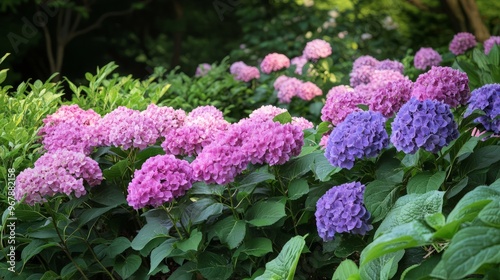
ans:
(203, 69)
(367, 75)
(302, 123)
(127, 128)
(490, 42)
(393, 65)
(165, 118)
(307, 91)
(200, 128)
(486, 99)
(389, 98)
(274, 62)
(426, 58)
(443, 84)
(461, 42)
(70, 128)
(60, 171)
(265, 113)
(160, 179)
(288, 87)
(360, 135)
(427, 124)
(341, 210)
(299, 62)
(340, 102)
(364, 60)
(360, 75)
(317, 49)
(243, 72)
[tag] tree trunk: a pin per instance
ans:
(466, 17)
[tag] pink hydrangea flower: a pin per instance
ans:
(364, 60)
(299, 62)
(317, 49)
(307, 91)
(443, 84)
(490, 42)
(340, 102)
(426, 58)
(361, 75)
(274, 62)
(247, 73)
(164, 118)
(203, 69)
(462, 42)
(393, 65)
(389, 98)
(287, 88)
(265, 113)
(302, 123)
(236, 66)
(160, 179)
(61, 171)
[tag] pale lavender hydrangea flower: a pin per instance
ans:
(299, 62)
(160, 179)
(361, 75)
(60, 171)
(274, 62)
(203, 69)
(486, 99)
(307, 91)
(393, 65)
(462, 42)
(287, 88)
(364, 60)
(443, 84)
(341, 210)
(490, 42)
(426, 58)
(360, 135)
(236, 66)
(427, 124)
(243, 72)
(317, 49)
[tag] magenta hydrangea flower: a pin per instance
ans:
(160, 179)
(70, 128)
(299, 62)
(127, 128)
(340, 102)
(426, 58)
(274, 62)
(378, 79)
(302, 123)
(341, 210)
(203, 69)
(200, 128)
(490, 42)
(287, 88)
(486, 99)
(364, 60)
(307, 91)
(389, 98)
(317, 49)
(164, 118)
(266, 113)
(426, 124)
(443, 84)
(393, 65)
(462, 42)
(60, 171)
(247, 73)
(360, 135)
(324, 140)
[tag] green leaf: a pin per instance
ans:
(230, 231)
(411, 207)
(493, 56)
(436, 220)
(88, 215)
(160, 253)
(4, 57)
(203, 188)
(185, 272)
(110, 195)
(283, 118)
(471, 248)
(481, 158)
(283, 266)
(298, 166)
(412, 234)
(491, 213)
(346, 269)
(480, 58)
(257, 247)
(421, 271)
(147, 233)
(425, 182)
(472, 203)
(3, 75)
(257, 176)
(265, 213)
(118, 246)
(192, 243)
(379, 197)
(203, 209)
(35, 247)
(451, 192)
(382, 268)
(214, 267)
(117, 171)
(126, 268)
(297, 189)
(49, 275)
(322, 167)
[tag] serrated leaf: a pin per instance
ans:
(382, 268)
(230, 231)
(425, 182)
(284, 265)
(265, 213)
(297, 189)
(379, 197)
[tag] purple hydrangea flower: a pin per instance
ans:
(360, 135)
(274, 62)
(462, 42)
(61, 171)
(299, 62)
(387, 99)
(393, 65)
(361, 75)
(236, 66)
(317, 49)
(202, 69)
(160, 179)
(488, 44)
(443, 84)
(341, 210)
(426, 58)
(427, 124)
(364, 60)
(486, 99)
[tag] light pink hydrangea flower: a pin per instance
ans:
(274, 62)
(426, 58)
(299, 62)
(307, 91)
(317, 49)
(490, 42)
(340, 102)
(164, 118)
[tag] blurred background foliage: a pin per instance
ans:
(72, 37)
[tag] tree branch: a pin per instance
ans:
(48, 45)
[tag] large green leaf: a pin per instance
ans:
(88, 215)
(283, 266)
(35, 247)
(255, 177)
(256, 247)
(160, 253)
(379, 197)
(491, 213)
(382, 268)
(265, 213)
(472, 203)
(471, 248)
(424, 182)
(346, 270)
(283, 118)
(481, 158)
(229, 231)
(297, 189)
(118, 245)
(147, 233)
(411, 207)
(192, 243)
(125, 268)
(213, 266)
(200, 210)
